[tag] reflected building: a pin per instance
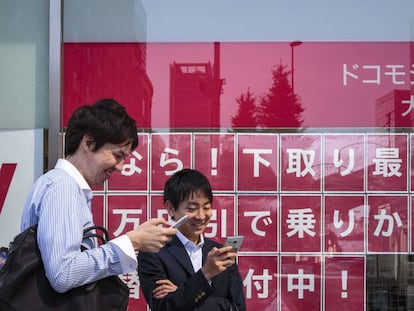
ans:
(195, 89)
(389, 277)
(101, 60)
(390, 112)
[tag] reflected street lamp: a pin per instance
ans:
(292, 45)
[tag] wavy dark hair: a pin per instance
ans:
(105, 121)
(185, 183)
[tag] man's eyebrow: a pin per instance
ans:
(121, 152)
(124, 154)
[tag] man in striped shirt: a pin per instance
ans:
(98, 139)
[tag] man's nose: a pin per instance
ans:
(119, 165)
(200, 214)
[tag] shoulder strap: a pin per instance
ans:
(92, 232)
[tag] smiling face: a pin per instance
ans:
(199, 208)
(104, 162)
(98, 166)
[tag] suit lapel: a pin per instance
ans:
(177, 250)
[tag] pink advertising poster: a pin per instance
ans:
(136, 296)
(259, 274)
(169, 154)
(301, 223)
(157, 209)
(126, 212)
(412, 161)
(345, 223)
(387, 162)
(222, 220)
(301, 283)
(301, 162)
(315, 196)
(344, 283)
(257, 162)
(134, 174)
(412, 227)
(214, 156)
(98, 210)
(258, 222)
(344, 162)
(387, 223)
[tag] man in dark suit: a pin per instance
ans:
(191, 272)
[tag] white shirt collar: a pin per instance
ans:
(74, 172)
(195, 252)
(186, 242)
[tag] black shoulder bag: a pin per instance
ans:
(24, 286)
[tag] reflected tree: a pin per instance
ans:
(280, 107)
(247, 113)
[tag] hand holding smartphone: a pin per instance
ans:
(235, 242)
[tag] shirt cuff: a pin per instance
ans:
(126, 253)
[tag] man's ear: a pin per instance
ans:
(87, 143)
(170, 209)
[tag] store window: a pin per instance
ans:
(307, 142)
(24, 75)
(24, 98)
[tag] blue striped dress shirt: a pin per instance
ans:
(60, 204)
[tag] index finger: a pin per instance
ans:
(169, 231)
(226, 249)
(163, 281)
(158, 221)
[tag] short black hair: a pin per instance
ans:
(185, 183)
(105, 121)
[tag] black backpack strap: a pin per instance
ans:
(97, 232)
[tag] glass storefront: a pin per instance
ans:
(24, 75)
(303, 127)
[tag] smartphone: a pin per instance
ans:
(234, 241)
(180, 221)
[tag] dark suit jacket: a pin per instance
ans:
(194, 292)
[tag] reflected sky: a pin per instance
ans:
(280, 20)
(331, 95)
(254, 39)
